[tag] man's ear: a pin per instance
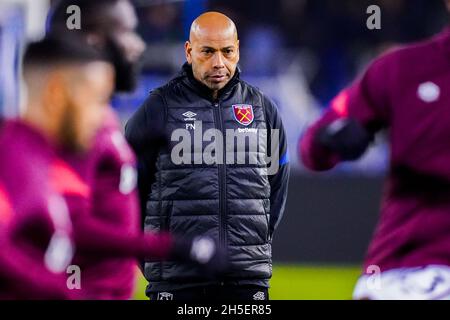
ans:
(188, 51)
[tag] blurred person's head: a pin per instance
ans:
(108, 25)
(69, 85)
(213, 50)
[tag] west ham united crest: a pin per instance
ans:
(243, 113)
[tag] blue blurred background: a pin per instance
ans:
(299, 52)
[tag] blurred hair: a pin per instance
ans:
(53, 51)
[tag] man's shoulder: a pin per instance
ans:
(9, 131)
(400, 58)
(251, 88)
(170, 86)
(256, 93)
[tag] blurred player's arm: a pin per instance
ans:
(348, 127)
(29, 278)
(279, 180)
(144, 132)
(100, 239)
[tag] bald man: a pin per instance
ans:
(214, 176)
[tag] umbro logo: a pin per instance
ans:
(259, 296)
(189, 116)
(165, 296)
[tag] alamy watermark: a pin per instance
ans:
(74, 279)
(238, 146)
(374, 20)
(73, 22)
(373, 281)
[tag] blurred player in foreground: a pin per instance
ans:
(68, 87)
(108, 238)
(404, 91)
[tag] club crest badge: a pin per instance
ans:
(243, 113)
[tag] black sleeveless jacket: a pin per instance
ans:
(188, 195)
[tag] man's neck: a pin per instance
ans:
(35, 118)
(207, 92)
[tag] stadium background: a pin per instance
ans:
(301, 53)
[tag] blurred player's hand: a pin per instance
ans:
(345, 136)
(205, 252)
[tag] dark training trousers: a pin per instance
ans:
(214, 294)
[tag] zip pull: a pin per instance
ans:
(216, 104)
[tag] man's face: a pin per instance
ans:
(123, 31)
(86, 104)
(213, 57)
(123, 44)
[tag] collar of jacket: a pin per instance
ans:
(188, 78)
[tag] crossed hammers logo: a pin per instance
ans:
(244, 116)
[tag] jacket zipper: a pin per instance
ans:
(222, 181)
